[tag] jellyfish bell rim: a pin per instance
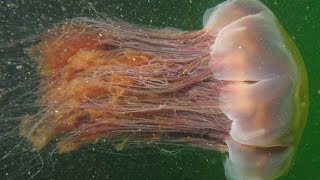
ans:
(251, 161)
(211, 24)
(301, 89)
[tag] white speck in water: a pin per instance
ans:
(18, 67)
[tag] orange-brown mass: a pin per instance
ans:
(69, 59)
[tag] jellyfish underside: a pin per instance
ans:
(231, 86)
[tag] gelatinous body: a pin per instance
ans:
(238, 85)
(267, 99)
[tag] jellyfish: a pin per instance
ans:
(237, 86)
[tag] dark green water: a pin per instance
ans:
(21, 19)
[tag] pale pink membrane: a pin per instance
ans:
(251, 52)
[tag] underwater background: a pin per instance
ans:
(22, 19)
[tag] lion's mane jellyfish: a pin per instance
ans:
(239, 85)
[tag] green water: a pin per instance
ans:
(301, 20)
